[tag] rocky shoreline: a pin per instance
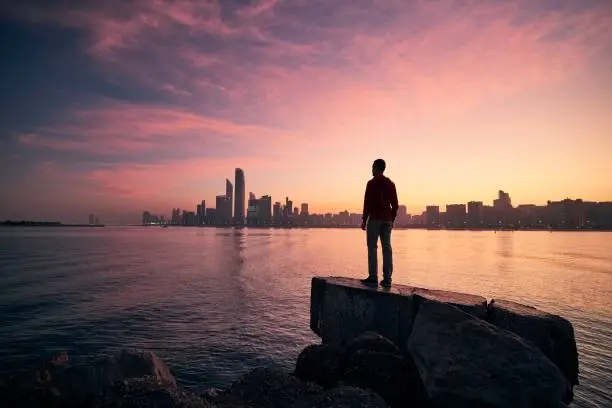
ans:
(406, 347)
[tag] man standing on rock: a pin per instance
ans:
(379, 212)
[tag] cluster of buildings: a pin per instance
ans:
(565, 214)
(233, 209)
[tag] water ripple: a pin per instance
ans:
(217, 303)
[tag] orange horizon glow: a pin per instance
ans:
(460, 100)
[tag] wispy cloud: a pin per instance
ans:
(269, 54)
(124, 129)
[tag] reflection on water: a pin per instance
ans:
(215, 303)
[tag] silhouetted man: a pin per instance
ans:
(379, 212)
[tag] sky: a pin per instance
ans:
(119, 106)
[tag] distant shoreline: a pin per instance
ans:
(405, 227)
(46, 224)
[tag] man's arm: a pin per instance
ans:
(367, 203)
(394, 203)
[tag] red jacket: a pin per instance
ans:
(380, 201)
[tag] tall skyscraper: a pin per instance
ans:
(224, 210)
(277, 213)
(199, 216)
(304, 209)
(288, 207)
(475, 214)
(432, 215)
(229, 193)
(265, 209)
(239, 197)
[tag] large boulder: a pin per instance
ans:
(372, 341)
(64, 382)
(383, 373)
(467, 362)
(473, 304)
(343, 308)
(146, 392)
(322, 364)
(268, 388)
(553, 335)
(344, 397)
(375, 363)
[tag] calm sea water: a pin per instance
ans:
(215, 303)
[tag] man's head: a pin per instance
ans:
(378, 167)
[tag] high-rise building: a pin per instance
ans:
(475, 211)
(277, 213)
(229, 193)
(289, 204)
(239, 197)
(199, 216)
(503, 201)
(211, 216)
(304, 209)
(259, 211)
(265, 210)
(203, 211)
(146, 218)
(455, 215)
(432, 215)
(566, 213)
(189, 218)
(223, 210)
(91, 219)
(252, 210)
(402, 215)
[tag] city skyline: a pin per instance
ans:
(109, 107)
(264, 211)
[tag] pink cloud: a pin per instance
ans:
(121, 128)
(460, 58)
(257, 8)
(132, 187)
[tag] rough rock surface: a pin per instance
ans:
(467, 362)
(268, 388)
(345, 397)
(343, 308)
(372, 341)
(383, 373)
(370, 361)
(148, 393)
(553, 335)
(62, 382)
(323, 364)
(473, 304)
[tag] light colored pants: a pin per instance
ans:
(374, 230)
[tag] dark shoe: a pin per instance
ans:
(369, 282)
(385, 283)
